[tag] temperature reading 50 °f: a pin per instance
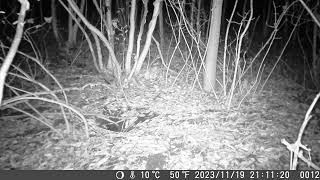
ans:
(179, 174)
(150, 174)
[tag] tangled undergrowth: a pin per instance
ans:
(174, 127)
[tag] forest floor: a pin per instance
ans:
(176, 127)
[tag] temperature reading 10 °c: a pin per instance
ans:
(150, 174)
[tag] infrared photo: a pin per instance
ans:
(160, 85)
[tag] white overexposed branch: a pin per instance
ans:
(14, 46)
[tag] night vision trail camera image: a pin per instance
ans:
(160, 85)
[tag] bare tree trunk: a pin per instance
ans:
(122, 26)
(70, 26)
(223, 16)
(209, 76)
(41, 11)
(103, 26)
(99, 53)
(131, 37)
(110, 30)
(152, 25)
(54, 22)
(198, 18)
(264, 15)
(315, 56)
(75, 26)
(209, 22)
(265, 28)
(286, 24)
(141, 29)
(161, 31)
(117, 5)
(126, 12)
(314, 43)
(193, 5)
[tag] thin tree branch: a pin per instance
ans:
(14, 46)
